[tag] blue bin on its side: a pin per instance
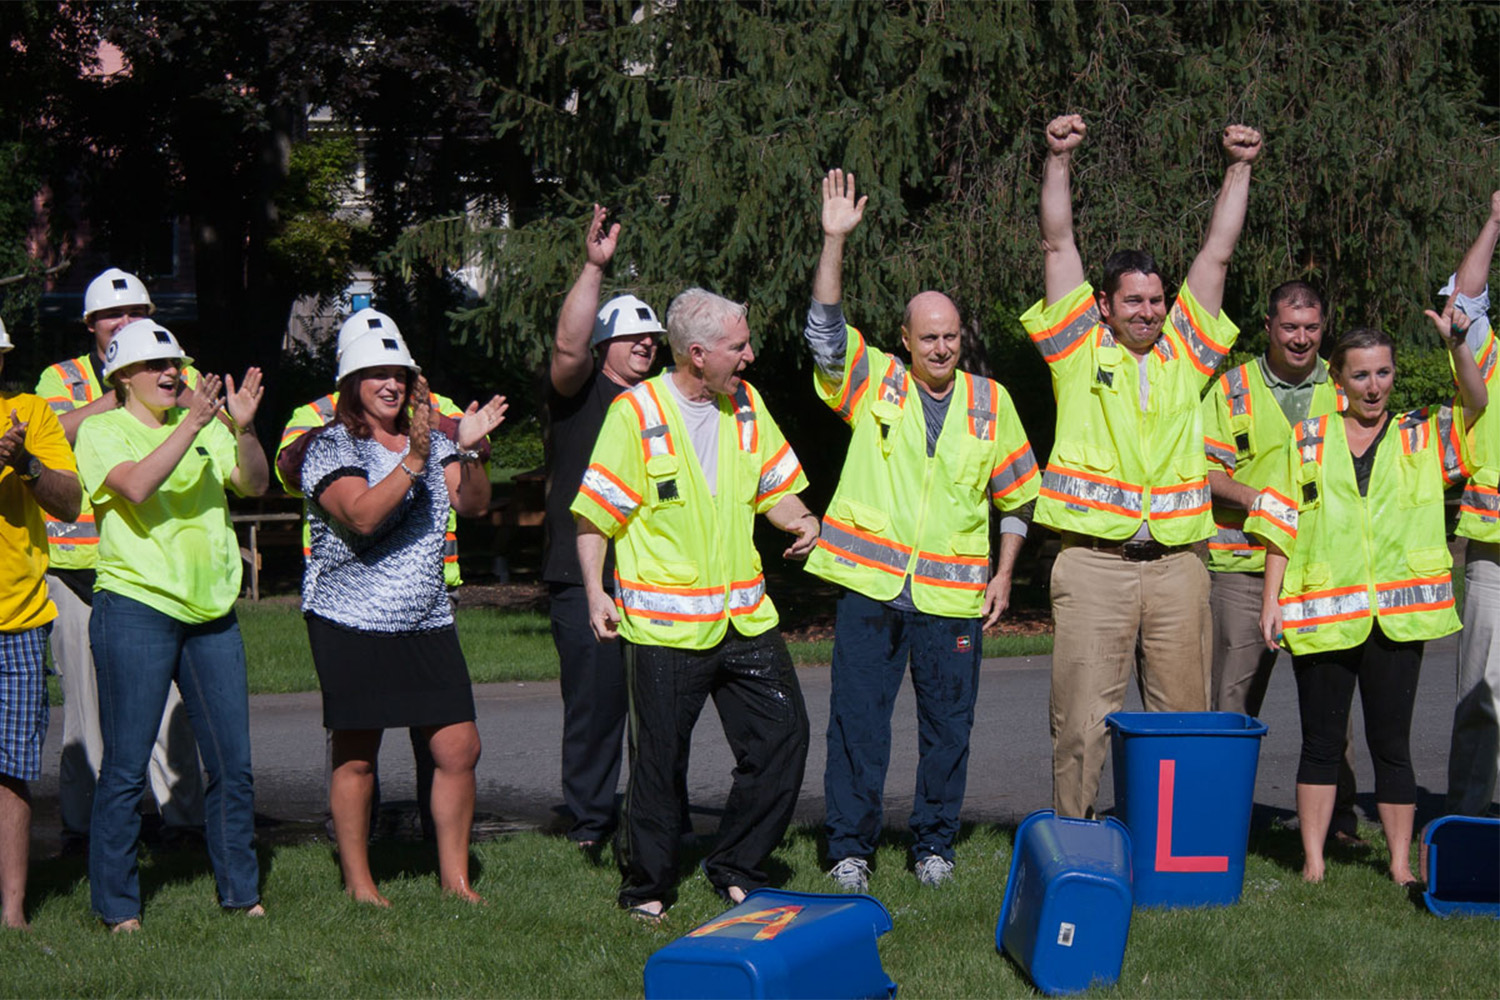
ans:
(1184, 785)
(1066, 913)
(1463, 866)
(779, 944)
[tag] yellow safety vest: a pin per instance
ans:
(1113, 466)
(1353, 559)
(320, 413)
(1246, 435)
(1479, 510)
(685, 560)
(66, 386)
(897, 512)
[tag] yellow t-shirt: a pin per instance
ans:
(23, 537)
(176, 551)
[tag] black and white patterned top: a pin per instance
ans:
(392, 579)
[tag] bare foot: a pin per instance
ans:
(736, 894)
(371, 896)
(1402, 876)
(463, 892)
(16, 923)
(126, 926)
(1312, 871)
(653, 912)
(255, 911)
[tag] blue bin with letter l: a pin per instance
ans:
(1184, 785)
(1066, 913)
(779, 944)
(1461, 862)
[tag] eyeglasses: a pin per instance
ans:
(162, 364)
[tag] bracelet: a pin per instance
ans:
(414, 476)
(467, 455)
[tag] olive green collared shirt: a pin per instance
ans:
(1294, 399)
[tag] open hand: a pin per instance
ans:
(841, 212)
(1065, 133)
(205, 403)
(600, 243)
(477, 423)
(1241, 143)
(806, 528)
(419, 436)
(242, 402)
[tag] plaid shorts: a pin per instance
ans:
(23, 702)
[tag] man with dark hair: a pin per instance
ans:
(1248, 419)
(1126, 484)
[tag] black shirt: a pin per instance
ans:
(574, 423)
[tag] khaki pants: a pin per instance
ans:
(1113, 618)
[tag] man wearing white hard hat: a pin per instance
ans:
(597, 354)
(320, 413)
(75, 390)
(37, 474)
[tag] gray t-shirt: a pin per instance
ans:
(390, 580)
(702, 420)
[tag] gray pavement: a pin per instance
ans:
(1009, 766)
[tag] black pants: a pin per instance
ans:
(754, 687)
(593, 693)
(1386, 672)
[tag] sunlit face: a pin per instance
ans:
(722, 362)
(932, 337)
(105, 323)
(1366, 376)
(1136, 310)
(382, 392)
(154, 384)
(1294, 334)
(630, 357)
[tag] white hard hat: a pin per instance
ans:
(143, 340)
(362, 322)
(624, 316)
(5, 341)
(374, 349)
(115, 288)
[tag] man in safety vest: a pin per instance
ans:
(1248, 417)
(1474, 752)
(74, 390)
(318, 414)
(596, 355)
(1126, 484)
(907, 535)
(681, 467)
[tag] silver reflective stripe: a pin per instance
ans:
(326, 409)
(67, 532)
(1413, 427)
(1487, 366)
(859, 374)
(744, 413)
(836, 537)
(1314, 608)
(1164, 348)
(1415, 595)
(609, 491)
(1219, 453)
(981, 408)
(967, 574)
(654, 433)
(78, 382)
(1310, 439)
(1180, 500)
(1208, 355)
(1020, 467)
(1088, 492)
(778, 472)
(649, 602)
(1276, 510)
(745, 596)
(1453, 467)
(1059, 341)
(1485, 503)
(450, 545)
(893, 384)
(1231, 538)
(1237, 392)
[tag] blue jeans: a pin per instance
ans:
(138, 653)
(871, 646)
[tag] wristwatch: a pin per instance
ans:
(30, 470)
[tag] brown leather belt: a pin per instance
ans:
(1130, 550)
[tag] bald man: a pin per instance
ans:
(907, 535)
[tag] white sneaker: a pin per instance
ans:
(851, 875)
(933, 871)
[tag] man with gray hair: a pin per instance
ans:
(681, 467)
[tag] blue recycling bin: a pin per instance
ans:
(1066, 913)
(779, 944)
(1463, 866)
(1184, 785)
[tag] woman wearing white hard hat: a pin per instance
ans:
(168, 575)
(381, 480)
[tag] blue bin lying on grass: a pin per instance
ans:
(1462, 858)
(1066, 913)
(779, 944)
(1184, 785)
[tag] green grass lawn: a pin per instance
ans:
(500, 645)
(552, 930)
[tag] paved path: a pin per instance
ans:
(1009, 766)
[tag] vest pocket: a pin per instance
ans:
(1420, 484)
(970, 543)
(1078, 455)
(863, 516)
(666, 486)
(1430, 561)
(672, 574)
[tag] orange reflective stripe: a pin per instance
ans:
(1276, 509)
(684, 604)
(744, 415)
(1482, 501)
(1089, 490)
(605, 489)
(1236, 389)
(844, 541)
(1014, 470)
(1219, 453)
(855, 384)
(778, 473)
(1401, 597)
(1202, 350)
(1182, 500)
(1228, 539)
(956, 572)
(745, 596)
(1063, 338)
(1324, 606)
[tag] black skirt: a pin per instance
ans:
(386, 680)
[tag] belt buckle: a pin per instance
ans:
(1142, 550)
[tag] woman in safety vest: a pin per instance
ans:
(380, 480)
(1358, 573)
(168, 575)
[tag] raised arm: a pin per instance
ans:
(1453, 327)
(572, 361)
(1474, 271)
(1206, 277)
(841, 214)
(252, 474)
(1061, 262)
(136, 481)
